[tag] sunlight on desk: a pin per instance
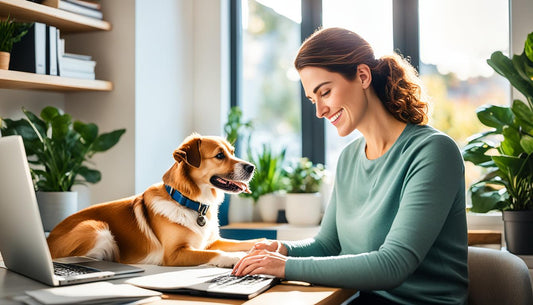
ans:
(278, 295)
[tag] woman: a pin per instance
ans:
(395, 227)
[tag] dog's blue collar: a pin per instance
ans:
(191, 204)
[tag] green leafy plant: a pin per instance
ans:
(11, 32)
(268, 172)
(235, 127)
(506, 150)
(302, 176)
(59, 149)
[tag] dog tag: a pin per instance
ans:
(200, 220)
(202, 210)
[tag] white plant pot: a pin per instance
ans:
(269, 205)
(56, 206)
(240, 209)
(304, 209)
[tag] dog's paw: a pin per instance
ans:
(227, 259)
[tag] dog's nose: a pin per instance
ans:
(249, 168)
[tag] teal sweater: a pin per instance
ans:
(395, 225)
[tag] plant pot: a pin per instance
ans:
(518, 227)
(269, 205)
(240, 209)
(304, 209)
(56, 206)
(4, 60)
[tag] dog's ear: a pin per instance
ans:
(189, 153)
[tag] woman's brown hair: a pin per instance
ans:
(394, 80)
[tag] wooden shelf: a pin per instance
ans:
(67, 22)
(23, 80)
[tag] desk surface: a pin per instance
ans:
(12, 284)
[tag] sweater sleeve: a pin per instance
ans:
(429, 190)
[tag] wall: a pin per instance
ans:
(114, 52)
(163, 85)
(180, 81)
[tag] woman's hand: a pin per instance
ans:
(261, 262)
(271, 246)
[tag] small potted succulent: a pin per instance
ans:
(303, 181)
(506, 151)
(11, 32)
(59, 150)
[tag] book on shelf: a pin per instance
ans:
(74, 65)
(52, 39)
(95, 5)
(29, 54)
(77, 7)
(77, 65)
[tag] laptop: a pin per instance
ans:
(207, 281)
(22, 239)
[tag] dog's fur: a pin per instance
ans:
(152, 228)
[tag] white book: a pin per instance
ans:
(78, 56)
(40, 47)
(78, 9)
(77, 65)
(91, 5)
(53, 33)
(75, 74)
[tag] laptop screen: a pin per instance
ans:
(22, 240)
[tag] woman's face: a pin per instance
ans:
(342, 102)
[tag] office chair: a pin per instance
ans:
(497, 277)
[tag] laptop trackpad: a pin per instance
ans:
(117, 268)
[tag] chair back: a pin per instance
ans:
(497, 277)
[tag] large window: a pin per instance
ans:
(270, 84)
(455, 43)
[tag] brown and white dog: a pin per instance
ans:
(154, 228)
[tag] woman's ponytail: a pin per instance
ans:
(397, 85)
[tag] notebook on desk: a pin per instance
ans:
(206, 281)
(22, 240)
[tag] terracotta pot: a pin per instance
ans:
(4, 60)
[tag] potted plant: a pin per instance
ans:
(58, 151)
(506, 152)
(10, 33)
(303, 181)
(266, 186)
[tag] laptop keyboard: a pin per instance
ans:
(71, 270)
(230, 279)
